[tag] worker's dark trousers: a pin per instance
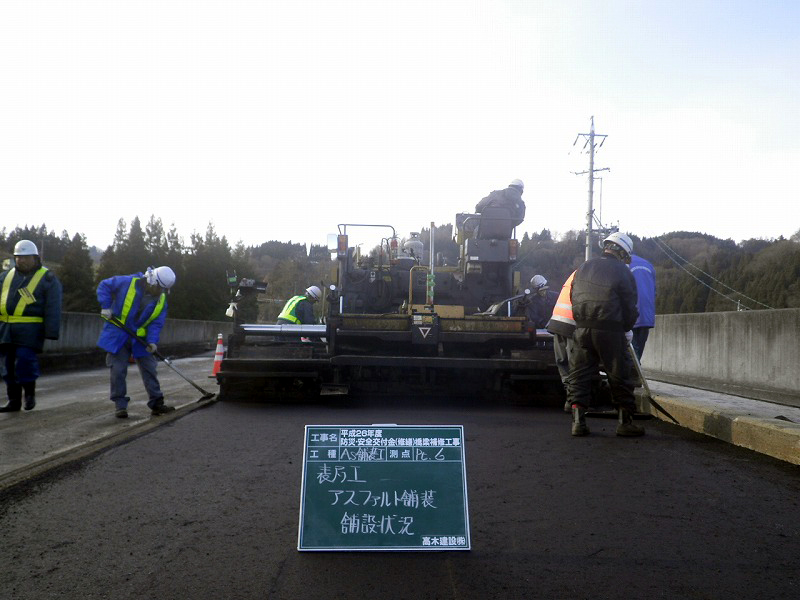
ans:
(640, 335)
(591, 350)
(561, 348)
(119, 371)
(20, 363)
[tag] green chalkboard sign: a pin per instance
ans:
(384, 487)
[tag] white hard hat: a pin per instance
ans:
(163, 277)
(517, 183)
(539, 282)
(25, 248)
(621, 240)
(314, 292)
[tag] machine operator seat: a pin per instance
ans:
(495, 224)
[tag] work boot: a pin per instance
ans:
(626, 427)
(12, 406)
(121, 413)
(30, 394)
(567, 406)
(14, 398)
(579, 426)
(161, 409)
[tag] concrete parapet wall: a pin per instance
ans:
(753, 353)
(77, 343)
(79, 331)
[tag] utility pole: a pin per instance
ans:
(590, 142)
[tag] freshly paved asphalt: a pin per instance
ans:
(206, 506)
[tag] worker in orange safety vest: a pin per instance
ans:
(562, 326)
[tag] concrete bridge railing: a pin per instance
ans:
(77, 343)
(750, 353)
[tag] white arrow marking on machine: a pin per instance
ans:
(424, 331)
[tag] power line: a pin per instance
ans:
(666, 249)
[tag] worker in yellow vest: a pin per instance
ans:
(139, 302)
(299, 310)
(30, 312)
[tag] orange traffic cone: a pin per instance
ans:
(218, 353)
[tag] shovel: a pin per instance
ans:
(115, 321)
(647, 387)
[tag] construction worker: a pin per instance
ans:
(30, 312)
(299, 310)
(603, 299)
(540, 302)
(562, 326)
(509, 199)
(645, 275)
(139, 302)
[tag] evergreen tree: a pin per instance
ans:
(76, 273)
(174, 256)
(108, 261)
(155, 240)
(135, 256)
(128, 254)
(202, 292)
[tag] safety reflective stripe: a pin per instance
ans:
(130, 296)
(563, 308)
(4, 293)
(555, 317)
(288, 310)
(142, 331)
(26, 298)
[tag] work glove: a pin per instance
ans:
(629, 336)
(106, 313)
(151, 348)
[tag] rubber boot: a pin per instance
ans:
(30, 394)
(14, 398)
(626, 427)
(579, 426)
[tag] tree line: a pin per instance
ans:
(205, 267)
(695, 272)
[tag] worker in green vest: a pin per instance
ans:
(299, 310)
(30, 312)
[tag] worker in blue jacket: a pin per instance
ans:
(140, 302)
(645, 275)
(30, 312)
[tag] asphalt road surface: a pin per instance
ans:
(207, 507)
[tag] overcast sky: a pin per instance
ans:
(278, 120)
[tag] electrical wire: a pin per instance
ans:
(664, 247)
